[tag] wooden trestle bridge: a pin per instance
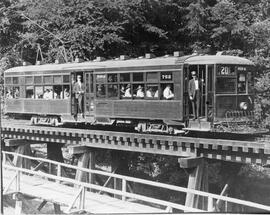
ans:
(25, 177)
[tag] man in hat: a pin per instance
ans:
(78, 90)
(194, 92)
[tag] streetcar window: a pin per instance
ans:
(30, 92)
(15, 80)
(16, 92)
(125, 91)
(21, 80)
(137, 77)
(9, 93)
(152, 77)
(167, 91)
(152, 91)
(57, 79)
(57, 89)
(241, 85)
(226, 85)
(47, 79)
(65, 78)
(65, 94)
(73, 79)
(39, 92)
(125, 77)
(138, 90)
(28, 80)
(48, 92)
(112, 90)
(38, 79)
(8, 80)
(101, 78)
(112, 77)
(100, 91)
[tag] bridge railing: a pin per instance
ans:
(212, 199)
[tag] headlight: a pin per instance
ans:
(243, 106)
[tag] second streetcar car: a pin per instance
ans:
(148, 94)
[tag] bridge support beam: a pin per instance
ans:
(119, 166)
(86, 160)
(21, 146)
(198, 180)
(18, 203)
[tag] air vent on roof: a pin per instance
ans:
(149, 55)
(124, 57)
(219, 53)
(99, 59)
(78, 60)
(26, 63)
(39, 62)
(178, 53)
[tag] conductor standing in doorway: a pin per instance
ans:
(194, 92)
(78, 90)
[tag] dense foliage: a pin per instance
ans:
(108, 28)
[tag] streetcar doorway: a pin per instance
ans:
(89, 94)
(77, 95)
(199, 95)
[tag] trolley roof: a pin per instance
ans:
(157, 62)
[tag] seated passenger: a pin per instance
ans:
(167, 93)
(156, 94)
(9, 95)
(17, 93)
(47, 94)
(149, 93)
(122, 91)
(140, 93)
(127, 92)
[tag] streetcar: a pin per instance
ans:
(127, 92)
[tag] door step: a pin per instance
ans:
(198, 125)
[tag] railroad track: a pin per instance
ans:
(263, 138)
(254, 150)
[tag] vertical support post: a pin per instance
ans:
(1, 166)
(18, 161)
(58, 172)
(18, 203)
(86, 160)
(124, 189)
(194, 182)
(210, 204)
(82, 199)
(198, 180)
(120, 164)
(205, 186)
(92, 163)
(57, 209)
(18, 181)
(4, 158)
(18, 207)
(83, 162)
(54, 152)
